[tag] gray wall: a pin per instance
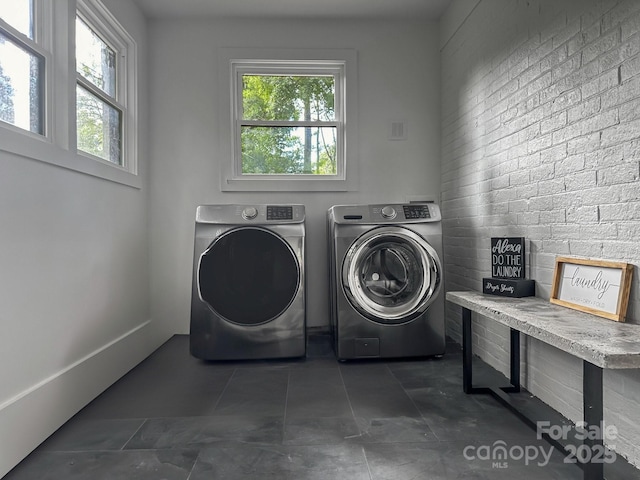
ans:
(74, 268)
(398, 77)
(540, 126)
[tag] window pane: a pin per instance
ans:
(95, 60)
(294, 98)
(21, 86)
(289, 150)
(99, 127)
(18, 14)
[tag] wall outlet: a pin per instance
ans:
(398, 130)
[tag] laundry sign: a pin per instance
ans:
(507, 257)
(599, 287)
(508, 269)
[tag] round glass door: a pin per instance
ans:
(248, 276)
(391, 274)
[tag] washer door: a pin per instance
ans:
(391, 275)
(248, 276)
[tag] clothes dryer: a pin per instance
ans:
(386, 280)
(248, 288)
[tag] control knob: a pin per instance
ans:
(388, 212)
(249, 213)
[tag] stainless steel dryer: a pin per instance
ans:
(386, 280)
(248, 293)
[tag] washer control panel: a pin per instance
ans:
(386, 213)
(416, 211)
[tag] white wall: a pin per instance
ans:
(398, 79)
(540, 123)
(74, 294)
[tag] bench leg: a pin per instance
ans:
(467, 352)
(467, 358)
(592, 396)
(515, 361)
(591, 385)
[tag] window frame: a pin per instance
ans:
(239, 68)
(40, 45)
(106, 26)
(55, 34)
(341, 63)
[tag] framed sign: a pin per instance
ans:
(599, 287)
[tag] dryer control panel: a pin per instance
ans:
(279, 212)
(250, 214)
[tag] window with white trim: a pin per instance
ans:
(105, 85)
(38, 118)
(288, 117)
(291, 117)
(22, 66)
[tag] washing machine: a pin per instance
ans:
(386, 283)
(248, 289)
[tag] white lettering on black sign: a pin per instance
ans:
(507, 257)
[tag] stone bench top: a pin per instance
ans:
(602, 342)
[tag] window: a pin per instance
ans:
(105, 120)
(288, 123)
(22, 68)
(80, 117)
(288, 127)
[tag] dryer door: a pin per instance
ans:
(248, 276)
(391, 275)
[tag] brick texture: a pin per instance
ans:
(541, 139)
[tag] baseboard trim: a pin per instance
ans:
(29, 418)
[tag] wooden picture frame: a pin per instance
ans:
(599, 287)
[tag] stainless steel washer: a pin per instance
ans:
(386, 280)
(248, 293)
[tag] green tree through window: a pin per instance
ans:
(7, 112)
(288, 125)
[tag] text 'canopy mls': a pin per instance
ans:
(302, 143)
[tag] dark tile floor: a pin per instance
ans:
(175, 417)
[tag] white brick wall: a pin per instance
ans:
(541, 138)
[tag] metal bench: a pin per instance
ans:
(598, 342)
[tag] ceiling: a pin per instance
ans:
(365, 9)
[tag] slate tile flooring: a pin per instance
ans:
(174, 417)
